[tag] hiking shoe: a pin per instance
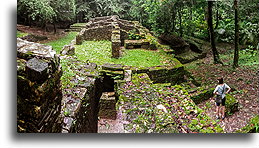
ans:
(217, 117)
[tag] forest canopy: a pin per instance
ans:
(180, 17)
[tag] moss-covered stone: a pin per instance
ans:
(167, 74)
(189, 56)
(107, 107)
(140, 100)
(231, 104)
(202, 95)
(112, 73)
(113, 67)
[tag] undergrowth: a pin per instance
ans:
(247, 57)
(20, 34)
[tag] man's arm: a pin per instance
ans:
(216, 90)
(228, 89)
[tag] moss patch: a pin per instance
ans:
(231, 104)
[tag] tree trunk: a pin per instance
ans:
(55, 28)
(211, 30)
(217, 15)
(180, 21)
(236, 53)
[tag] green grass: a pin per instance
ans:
(141, 58)
(99, 52)
(20, 34)
(58, 44)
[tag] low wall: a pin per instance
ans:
(80, 106)
(38, 88)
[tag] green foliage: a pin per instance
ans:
(36, 10)
(96, 8)
(46, 11)
(251, 127)
(20, 34)
(143, 58)
(65, 10)
(98, 52)
(248, 22)
(134, 36)
(247, 57)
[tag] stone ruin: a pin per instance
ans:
(186, 49)
(116, 30)
(39, 91)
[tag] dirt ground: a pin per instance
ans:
(244, 79)
(42, 32)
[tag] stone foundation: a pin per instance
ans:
(132, 44)
(114, 29)
(38, 88)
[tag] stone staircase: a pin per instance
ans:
(76, 27)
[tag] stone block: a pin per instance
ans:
(37, 70)
(113, 67)
(202, 95)
(107, 107)
(167, 74)
(127, 75)
(27, 50)
(79, 39)
(231, 104)
(68, 50)
(145, 46)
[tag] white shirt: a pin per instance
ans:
(221, 89)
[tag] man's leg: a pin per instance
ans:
(223, 108)
(217, 112)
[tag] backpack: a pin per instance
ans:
(219, 97)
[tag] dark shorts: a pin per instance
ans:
(222, 103)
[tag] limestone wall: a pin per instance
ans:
(38, 88)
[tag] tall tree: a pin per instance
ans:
(212, 38)
(236, 52)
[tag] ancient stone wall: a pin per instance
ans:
(38, 88)
(109, 28)
(116, 41)
(80, 106)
